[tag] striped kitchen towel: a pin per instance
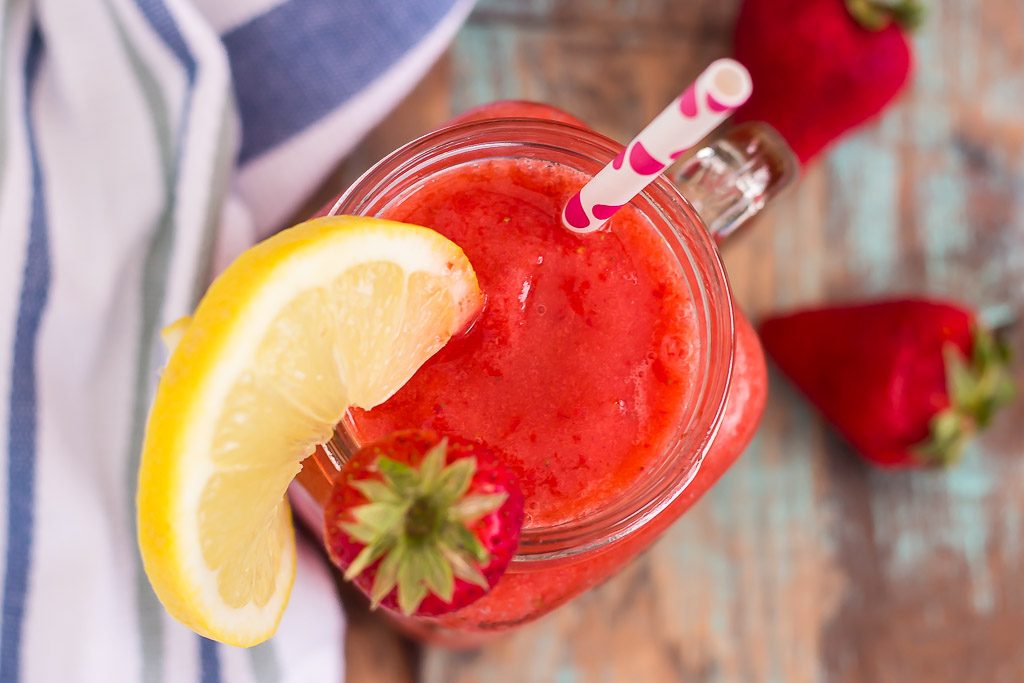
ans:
(143, 143)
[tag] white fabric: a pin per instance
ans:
(132, 130)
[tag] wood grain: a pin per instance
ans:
(802, 564)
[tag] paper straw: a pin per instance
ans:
(720, 89)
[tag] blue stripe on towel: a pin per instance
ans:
(209, 663)
(22, 429)
(163, 23)
(291, 67)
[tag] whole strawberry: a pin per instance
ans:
(906, 382)
(423, 524)
(822, 67)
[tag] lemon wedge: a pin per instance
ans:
(173, 333)
(337, 312)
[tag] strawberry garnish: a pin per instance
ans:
(822, 67)
(423, 524)
(907, 382)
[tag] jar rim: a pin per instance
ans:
(540, 546)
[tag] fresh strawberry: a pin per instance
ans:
(822, 67)
(906, 382)
(423, 524)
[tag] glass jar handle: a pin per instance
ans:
(730, 180)
(312, 488)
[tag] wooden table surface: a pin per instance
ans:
(802, 564)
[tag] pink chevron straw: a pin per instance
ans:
(720, 89)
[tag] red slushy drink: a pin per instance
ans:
(605, 366)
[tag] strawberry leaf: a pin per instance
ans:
(463, 541)
(437, 573)
(411, 590)
(359, 532)
(415, 526)
(472, 508)
(379, 517)
(960, 381)
(977, 387)
(1003, 394)
(454, 481)
(432, 465)
(397, 475)
(466, 571)
(875, 15)
(376, 491)
(367, 556)
(387, 576)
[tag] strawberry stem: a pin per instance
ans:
(416, 523)
(977, 387)
(422, 521)
(875, 15)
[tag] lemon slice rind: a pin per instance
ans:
(219, 346)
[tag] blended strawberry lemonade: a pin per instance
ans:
(578, 365)
(579, 369)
